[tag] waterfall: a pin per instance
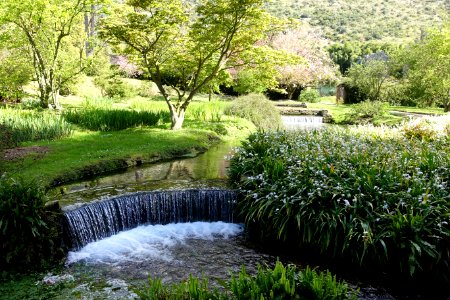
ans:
(102, 219)
(295, 122)
(302, 119)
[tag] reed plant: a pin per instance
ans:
(110, 119)
(212, 111)
(30, 125)
(280, 282)
(375, 200)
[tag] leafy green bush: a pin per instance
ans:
(380, 202)
(365, 111)
(114, 87)
(148, 89)
(21, 126)
(108, 119)
(310, 96)
(258, 109)
(29, 231)
(15, 73)
(278, 283)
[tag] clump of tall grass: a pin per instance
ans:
(211, 111)
(376, 201)
(103, 119)
(278, 283)
(257, 109)
(28, 125)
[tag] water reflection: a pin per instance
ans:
(204, 171)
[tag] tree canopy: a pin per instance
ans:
(187, 47)
(427, 66)
(44, 26)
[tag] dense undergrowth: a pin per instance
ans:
(30, 231)
(278, 283)
(373, 198)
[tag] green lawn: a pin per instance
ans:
(70, 157)
(340, 111)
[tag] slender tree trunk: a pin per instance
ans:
(44, 95)
(178, 118)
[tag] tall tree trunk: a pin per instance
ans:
(178, 118)
(90, 24)
(44, 94)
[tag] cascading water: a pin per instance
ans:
(102, 219)
(302, 122)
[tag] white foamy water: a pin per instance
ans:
(150, 242)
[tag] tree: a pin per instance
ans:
(315, 67)
(428, 68)
(46, 26)
(187, 51)
(369, 77)
(15, 71)
(343, 55)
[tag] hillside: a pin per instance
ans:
(365, 20)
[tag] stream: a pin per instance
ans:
(109, 268)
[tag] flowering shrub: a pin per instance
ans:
(426, 129)
(374, 200)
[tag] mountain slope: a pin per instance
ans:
(365, 20)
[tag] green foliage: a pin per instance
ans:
(258, 109)
(22, 126)
(114, 87)
(369, 78)
(366, 111)
(397, 93)
(190, 48)
(148, 89)
(15, 73)
(428, 65)
(52, 32)
(376, 199)
(98, 64)
(421, 129)
(211, 111)
(28, 230)
(278, 283)
(347, 20)
(310, 96)
(108, 119)
(193, 288)
(249, 81)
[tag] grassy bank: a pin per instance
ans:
(86, 153)
(89, 153)
(105, 135)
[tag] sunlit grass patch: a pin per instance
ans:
(28, 125)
